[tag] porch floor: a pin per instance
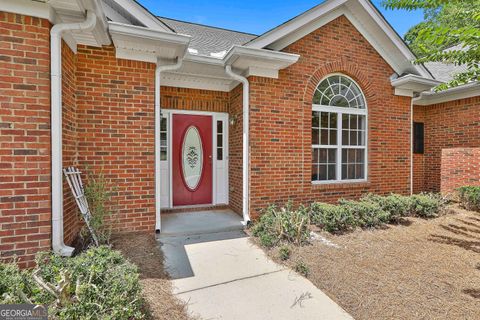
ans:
(200, 222)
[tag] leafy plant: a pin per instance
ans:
(302, 268)
(97, 284)
(284, 253)
(366, 213)
(448, 23)
(284, 224)
(427, 205)
(397, 206)
(99, 200)
(470, 197)
(332, 218)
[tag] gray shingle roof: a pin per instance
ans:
(444, 72)
(208, 40)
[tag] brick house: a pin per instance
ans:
(178, 115)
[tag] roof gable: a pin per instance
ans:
(364, 17)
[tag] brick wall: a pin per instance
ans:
(71, 220)
(453, 124)
(460, 167)
(235, 162)
(25, 208)
(281, 121)
(418, 159)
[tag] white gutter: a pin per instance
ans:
(246, 143)
(56, 126)
(158, 116)
(465, 91)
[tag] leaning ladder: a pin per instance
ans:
(75, 182)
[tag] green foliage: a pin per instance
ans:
(285, 224)
(284, 253)
(101, 285)
(302, 268)
(396, 206)
(98, 198)
(373, 210)
(426, 205)
(332, 218)
(470, 197)
(447, 23)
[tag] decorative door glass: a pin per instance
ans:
(192, 158)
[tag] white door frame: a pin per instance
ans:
(216, 116)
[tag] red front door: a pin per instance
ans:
(192, 160)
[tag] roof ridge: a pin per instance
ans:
(207, 26)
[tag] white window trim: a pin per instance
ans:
(340, 111)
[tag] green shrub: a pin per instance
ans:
(285, 224)
(366, 214)
(284, 253)
(99, 284)
(302, 268)
(332, 218)
(470, 197)
(426, 205)
(397, 206)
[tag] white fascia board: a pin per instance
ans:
(465, 91)
(293, 25)
(143, 15)
(145, 44)
(29, 8)
(251, 60)
(100, 32)
(414, 83)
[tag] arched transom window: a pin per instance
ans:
(339, 131)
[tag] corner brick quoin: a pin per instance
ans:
(460, 167)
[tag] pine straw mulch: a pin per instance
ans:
(420, 269)
(143, 250)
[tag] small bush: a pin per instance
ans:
(427, 205)
(284, 253)
(285, 224)
(302, 268)
(366, 214)
(470, 197)
(331, 218)
(395, 205)
(99, 284)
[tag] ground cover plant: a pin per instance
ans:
(470, 197)
(99, 283)
(291, 225)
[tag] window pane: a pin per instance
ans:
(323, 157)
(345, 138)
(353, 138)
(315, 136)
(333, 120)
(361, 122)
(322, 173)
(351, 171)
(359, 171)
(163, 139)
(219, 126)
(163, 154)
(344, 172)
(163, 124)
(324, 137)
(333, 137)
(331, 172)
(219, 140)
(360, 158)
(345, 121)
(220, 154)
(316, 97)
(324, 120)
(315, 119)
(332, 155)
(353, 121)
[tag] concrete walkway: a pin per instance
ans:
(231, 278)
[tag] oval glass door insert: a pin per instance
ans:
(192, 158)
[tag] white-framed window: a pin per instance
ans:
(339, 131)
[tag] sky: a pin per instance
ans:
(257, 16)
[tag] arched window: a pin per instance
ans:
(339, 131)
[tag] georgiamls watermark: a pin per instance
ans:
(23, 312)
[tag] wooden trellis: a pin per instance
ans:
(74, 180)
